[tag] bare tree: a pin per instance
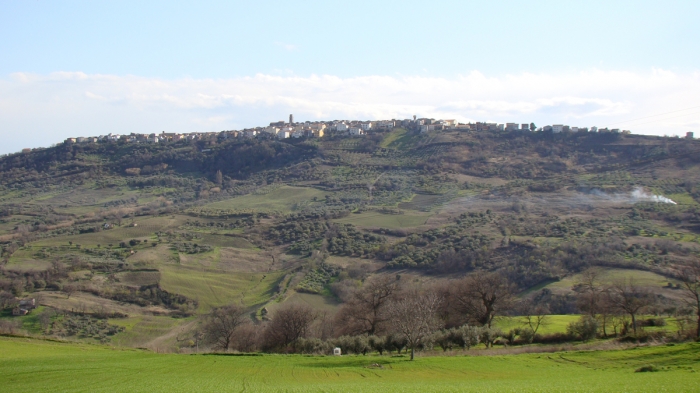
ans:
(590, 291)
(591, 298)
(45, 318)
(481, 296)
(628, 298)
(690, 277)
(7, 300)
(365, 311)
(414, 317)
(289, 324)
(222, 323)
(247, 338)
(195, 337)
(69, 289)
(536, 316)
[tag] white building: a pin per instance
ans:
(356, 131)
(341, 127)
(385, 124)
(366, 126)
(556, 128)
(511, 126)
(283, 134)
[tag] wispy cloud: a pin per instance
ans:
(38, 109)
(287, 47)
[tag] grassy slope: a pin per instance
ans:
(552, 324)
(280, 200)
(30, 365)
(216, 288)
(393, 221)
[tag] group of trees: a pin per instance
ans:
(624, 297)
(388, 313)
(385, 309)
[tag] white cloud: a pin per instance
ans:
(287, 47)
(36, 110)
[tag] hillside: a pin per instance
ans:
(151, 237)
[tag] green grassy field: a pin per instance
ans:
(393, 221)
(28, 365)
(400, 139)
(552, 323)
(608, 276)
(216, 288)
(281, 199)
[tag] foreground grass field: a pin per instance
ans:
(28, 365)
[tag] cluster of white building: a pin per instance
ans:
(318, 129)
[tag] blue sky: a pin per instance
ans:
(87, 68)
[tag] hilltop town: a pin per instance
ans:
(319, 129)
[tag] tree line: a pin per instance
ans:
(388, 314)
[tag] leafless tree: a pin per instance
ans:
(626, 297)
(366, 310)
(481, 296)
(45, 318)
(69, 289)
(7, 300)
(221, 325)
(325, 325)
(690, 277)
(592, 298)
(247, 338)
(536, 316)
(193, 339)
(414, 316)
(590, 291)
(289, 323)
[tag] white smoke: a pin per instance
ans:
(638, 195)
(642, 196)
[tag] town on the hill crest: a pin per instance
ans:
(318, 129)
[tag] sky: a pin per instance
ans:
(88, 68)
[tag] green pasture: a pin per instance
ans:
(399, 138)
(558, 324)
(213, 288)
(552, 323)
(609, 276)
(28, 365)
(380, 220)
(218, 240)
(282, 199)
(145, 228)
(142, 329)
(317, 302)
